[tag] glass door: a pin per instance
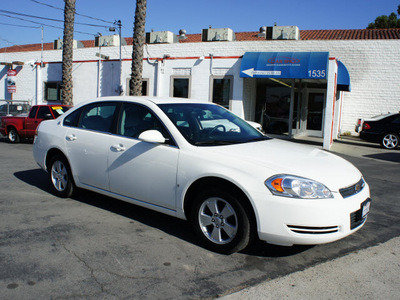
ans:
(315, 112)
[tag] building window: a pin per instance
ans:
(145, 87)
(180, 87)
(53, 91)
(221, 90)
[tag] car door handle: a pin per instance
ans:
(71, 137)
(118, 148)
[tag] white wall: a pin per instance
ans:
(373, 66)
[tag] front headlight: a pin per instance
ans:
(297, 187)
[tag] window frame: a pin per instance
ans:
(145, 81)
(58, 88)
(171, 89)
(230, 96)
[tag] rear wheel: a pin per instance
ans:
(13, 136)
(220, 221)
(61, 177)
(390, 141)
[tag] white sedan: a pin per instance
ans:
(198, 161)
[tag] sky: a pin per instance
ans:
(18, 25)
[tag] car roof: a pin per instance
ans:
(155, 100)
(380, 117)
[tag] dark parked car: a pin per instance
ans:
(383, 129)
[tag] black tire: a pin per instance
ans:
(220, 221)
(61, 177)
(390, 140)
(13, 136)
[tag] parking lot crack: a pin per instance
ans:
(86, 265)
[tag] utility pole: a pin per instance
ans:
(119, 25)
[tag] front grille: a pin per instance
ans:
(352, 190)
(313, 230)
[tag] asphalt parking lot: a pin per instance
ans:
(92, 246)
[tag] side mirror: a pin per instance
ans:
(152, 136)
(48, 117)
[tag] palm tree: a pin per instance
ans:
(67, 54)
(135, 84)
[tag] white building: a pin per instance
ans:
(320, 81)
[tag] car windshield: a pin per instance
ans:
(210, 125)
(59, 110)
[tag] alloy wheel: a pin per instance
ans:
(59, 176)
(218, 220)
(390, 141)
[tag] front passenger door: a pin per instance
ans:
(140, 170)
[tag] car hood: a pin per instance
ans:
(283, 157)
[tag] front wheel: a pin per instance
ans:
(390, 141)
(61, 177)
(13, 136)
(220, 222)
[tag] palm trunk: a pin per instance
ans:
(135, 85)
(67, 55)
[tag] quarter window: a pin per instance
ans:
(73, 118)
(32, 114)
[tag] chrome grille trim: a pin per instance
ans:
(353, 189)
(313, 230)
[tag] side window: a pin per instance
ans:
(98, 116)
(43, 111)
(32, 114)
(135, 119)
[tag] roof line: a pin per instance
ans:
(322, 34)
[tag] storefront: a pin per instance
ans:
(297, 93)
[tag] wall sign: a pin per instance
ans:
(301, 65)
(11, 86)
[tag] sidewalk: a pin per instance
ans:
(371, 273)
(354, 146)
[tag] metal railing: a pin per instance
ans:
(14, 107)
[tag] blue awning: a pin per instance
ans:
(343, 79)
(300, 65)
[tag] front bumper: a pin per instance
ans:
(286, 221)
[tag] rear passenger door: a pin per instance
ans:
(87, 143)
